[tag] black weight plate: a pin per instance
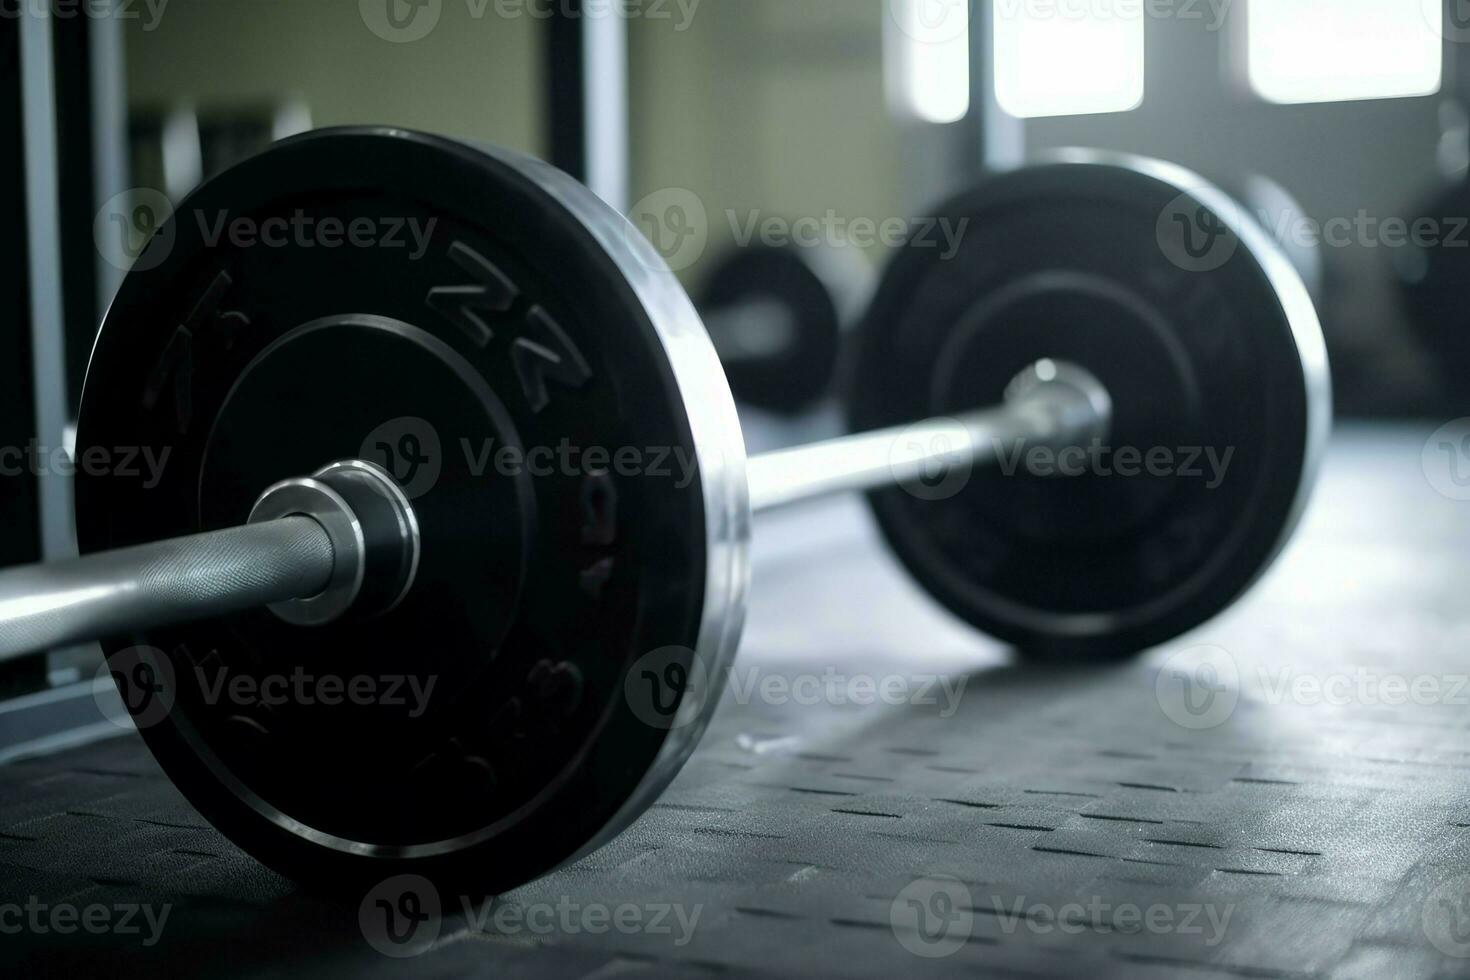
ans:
(788, 278)
(490, 306)
(1202, 350)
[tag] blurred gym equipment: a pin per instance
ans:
(779, 316)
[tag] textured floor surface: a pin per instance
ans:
(1285, 793)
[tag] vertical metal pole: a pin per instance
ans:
(19, 491)
(605, 53)
(110, 165)
(999, 137)
(48, 361)
(88, 153)
(587, 97)
(566, 91)
(1455, 82)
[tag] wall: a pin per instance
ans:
(757, 106)
(474, 76)
(766, 108)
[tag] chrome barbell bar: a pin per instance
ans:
(346, 540)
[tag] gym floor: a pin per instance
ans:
(1101, 822)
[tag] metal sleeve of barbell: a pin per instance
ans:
(112, 593)
(1050, 415)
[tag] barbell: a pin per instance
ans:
(508, 471)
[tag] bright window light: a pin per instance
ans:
(928, 52)
(1311, 51)
(1068, 57)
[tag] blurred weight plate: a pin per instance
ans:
(778, 316)
(1207, 341)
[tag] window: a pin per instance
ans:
(1311, 51)
(927, 44)
(1068, 57)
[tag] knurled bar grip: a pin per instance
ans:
(163, 583)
